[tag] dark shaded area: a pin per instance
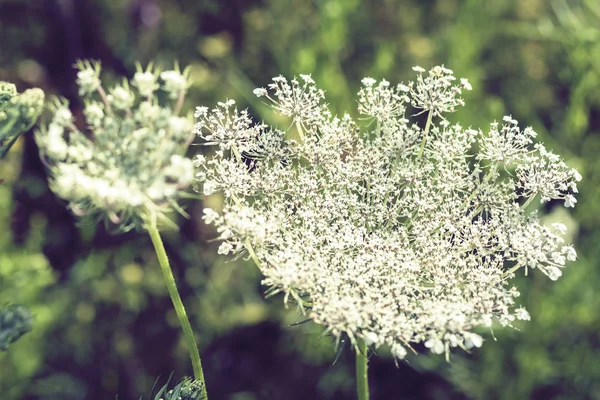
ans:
(250, 366)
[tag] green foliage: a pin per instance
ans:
(186, 389)
(15, 321)
(25, 275)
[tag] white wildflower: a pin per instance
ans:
(570, 200)
(570, 253)
(133, 162)
(381, 102)
(368, 82)
(121, 98)
(554, 273)
(435, 93)
(94, 113)
(473, 340)
(57, 148)
(258, 92)
(200, 111)
(436, 346)
(398, 351)
(544, 173)
(88, 77)
(63, 116)
(145, 83)
(465, 83)
(302, 102)
(225, 248)
(174, 83)
(522, 314)
(209, 188)
(389, 232)
(210, 215)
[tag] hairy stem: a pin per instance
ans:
(177, 303)
(362, 377)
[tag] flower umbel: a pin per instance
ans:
(376, 232)
(129, 157)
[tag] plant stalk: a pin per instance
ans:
(362, 377)
(163, 260)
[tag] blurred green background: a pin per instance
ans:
(104, 324)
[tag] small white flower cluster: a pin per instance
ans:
(130, 156)
(436, 93)
(301, 101)
(389, 232)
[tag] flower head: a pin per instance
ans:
(375, 232)
(300, 100)
(145, 81)
(437, 93)
(88, 77)
(128, 161)
(175, 83)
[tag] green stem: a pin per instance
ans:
(179, 103)
(104, 98)
(528, 202)
(510, 271)
(252, 253)
(362, 378)
(236, 154)
(7, 127)
(163, 260)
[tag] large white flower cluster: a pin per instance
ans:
(129, 157)
(386, 230)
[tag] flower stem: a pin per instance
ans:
(179, 103)
(104, 98)
(252, 253)
(362, 377)
(510, 271)
(177, 303)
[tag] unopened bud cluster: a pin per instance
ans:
(386, 230)
(18, 113)
(129, 157)
(186, 389)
